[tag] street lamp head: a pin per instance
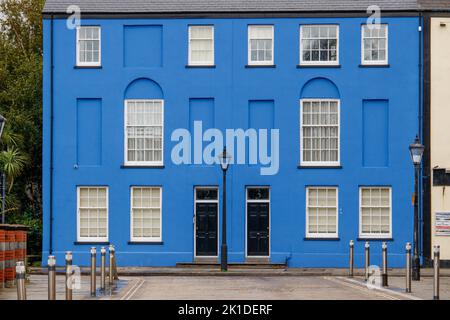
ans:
(2, 124)
(224, 159)
(416, 150)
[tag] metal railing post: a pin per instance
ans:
(366, 260)
(103, 268)
(384, 275)
(436, 264)
(408, 267)
(93, 271)
(51, 262)
(68, 275)
(20, 279)
(111, 265)
(351, 259)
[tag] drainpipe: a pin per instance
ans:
(419, 196)
(51, 138)
(287, 259)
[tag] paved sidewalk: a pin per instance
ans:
(232, 285)
(37, 289)
(275, 287)
(422, 289)
(252, 288)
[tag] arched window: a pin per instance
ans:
(319, 123)
(144, 123)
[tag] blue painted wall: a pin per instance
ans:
(89, 132)
(232, 95)
(376, 133)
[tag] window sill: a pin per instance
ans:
(319, 167)
(155, 243)
(374, 65)
(125, 166)
(251, 66)
(205, 66)
(91, 243)
(88, 67)
(375, 239)
(301, 66)
(321, 239)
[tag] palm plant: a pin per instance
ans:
(10, 138)
(12, 162)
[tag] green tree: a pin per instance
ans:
(21, 104)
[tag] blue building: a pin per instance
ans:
(335, 95)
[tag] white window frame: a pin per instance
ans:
(201, 63)
(320, 63)
(89, 64)
(92, 239)
(375, 235)
(142, 163)
(320, 163)
(146, 239)
(377, 62)
(249, 51)
(322, 235)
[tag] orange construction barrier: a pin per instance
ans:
(13, 248)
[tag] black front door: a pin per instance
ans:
(258, 233)
(206, 229)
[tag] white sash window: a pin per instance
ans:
(144, 129)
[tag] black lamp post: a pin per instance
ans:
(416, 150)
(2, 124)
(224, 159)
(2, 175)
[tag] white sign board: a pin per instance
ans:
(442, 224)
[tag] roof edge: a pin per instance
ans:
(230, 14)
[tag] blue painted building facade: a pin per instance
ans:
(147, 58)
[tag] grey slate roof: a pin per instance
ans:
(435, 4)
(227, 6)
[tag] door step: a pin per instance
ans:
(258, 260)
(200, 260)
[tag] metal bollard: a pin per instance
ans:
(408, 267)
(68, 275)
(51, 262)
(436, 263)
(115, 273)
(366, 260)
(20, 278)
(384, 275)
(111, 264)
(351, 259)
(103, 268)
(93, 271)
